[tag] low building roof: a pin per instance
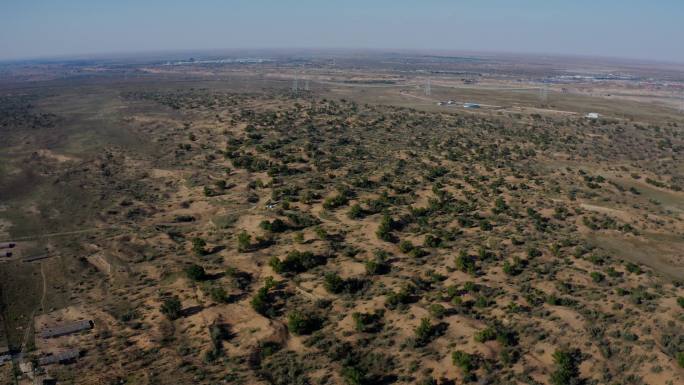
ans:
(64, 356)
(65, 329)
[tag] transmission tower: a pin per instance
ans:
(306, 85)
(544, 93)
(428, 88)
(295, 84)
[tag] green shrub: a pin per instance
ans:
(218, 294)
(171, 307)
(466, 362)
(509, 356)
(485, 225)
(377, 267)
(432, 241)
(500, 206)
(597, 277)
(418, 252)
(567, 367)
(406, 246)
(355, 212)
(268, 348)
(514, 268)
(438, 311)
(296, 262)
(633, 268)
(277, 226)
(261, 302)
(488, 334)
(424, 333)
(465, 262)
(534, 252)
(353, 375)
(402, 297)
(482, 301)
(384, 231)
(368, 322)
(335, 201)
(195, 273)
(334, 284)
(198, 246)
(220, 184)
(244, 241)
(301, 324)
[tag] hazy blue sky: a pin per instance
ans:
(623, 28)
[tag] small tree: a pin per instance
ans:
(198, 246)
(355, 212)
(171, 307)
(379, 264)
(353, 375)
(438, 311)
(218, 294)
(466, 362)
(465, 262)
(384, 231)
(368, 322)
(567, 367)
(376, 267)
(277, 226)
(424, 332)
(321, 233)
(296, 262)
(485, 335)
(261, 302)
(432, 241)
(244, 241)
(334, 283)
(406, 246)
(335, 201)
(597, 277)
(500, 206)
(195, 272)
(301, 324)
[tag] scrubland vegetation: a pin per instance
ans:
(275, 238)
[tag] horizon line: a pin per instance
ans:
(141, 53)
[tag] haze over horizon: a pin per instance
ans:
(635, 29)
